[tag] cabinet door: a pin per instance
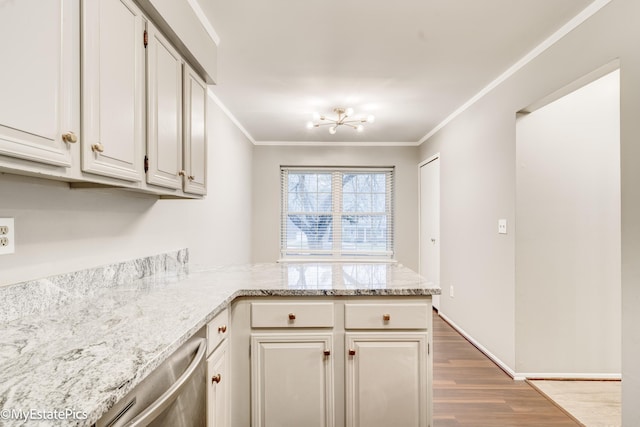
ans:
(164, 111)
(292, 380)
(36, 79)
(218, 388)
(113, 88)
(195, 133)
(386, 379)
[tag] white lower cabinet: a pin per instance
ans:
(218, 371)
(386, 379)
(292, 380)
(332, 362)
(218, 388)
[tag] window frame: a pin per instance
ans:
(337, 253)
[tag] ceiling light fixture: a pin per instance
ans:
(344, 119)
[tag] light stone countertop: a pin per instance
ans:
(89, 353)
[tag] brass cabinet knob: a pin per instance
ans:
(191, 177)
(386, 317)
(216, 379)
(222, 329)
(182, 173)
(69, 137)
(292, 316)
(97, 147)
(327, 352)
(352, 352)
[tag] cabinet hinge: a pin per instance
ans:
(146, 164)
(249, 351)
(428, 348)
(145, 39)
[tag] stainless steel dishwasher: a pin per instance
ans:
(174, 394)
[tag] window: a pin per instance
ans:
(337, 213)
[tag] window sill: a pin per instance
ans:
(335, 260)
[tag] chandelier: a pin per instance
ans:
(345, 118)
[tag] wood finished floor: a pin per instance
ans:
(470, 390)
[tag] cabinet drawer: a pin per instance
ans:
(292, 315)
(386, 316)
(217, 330)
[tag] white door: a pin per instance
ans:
(36, 80)
(195, 132)
(113, 88)
(218, 398)
(292, 380)
(430, 223)
(386, 379)
(164, 109)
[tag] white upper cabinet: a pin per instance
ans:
(36, 79)
(164, 120)
(113, 89)
(195, 134)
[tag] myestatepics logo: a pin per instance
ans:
(39, 414)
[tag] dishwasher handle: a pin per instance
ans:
(161, 403)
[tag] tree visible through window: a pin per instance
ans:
(337, 213)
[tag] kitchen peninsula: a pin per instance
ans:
(86, 351)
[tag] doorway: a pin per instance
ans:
(430, 223)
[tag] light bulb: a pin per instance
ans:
(349, 112)
(332, 130)
(371, 118)
(310, 125)
(316, 116)
(359, 128)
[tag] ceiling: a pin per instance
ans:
(411, 63)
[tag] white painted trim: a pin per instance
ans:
(342, 143)
(339, 259)
(550, 41)
(420, 165)
(482, 348)
(521, 376)
(231, 117)
(204, 21)
(568, 375)
(429, 160)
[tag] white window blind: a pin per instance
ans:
(337, 212)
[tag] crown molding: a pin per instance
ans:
(589, 11)
(204, 20)
(231, 117)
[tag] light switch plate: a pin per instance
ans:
(7, 236)
(502, 226)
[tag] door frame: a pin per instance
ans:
(436, 156)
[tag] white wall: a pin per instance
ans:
(478, 187)
(266, 190)
(61, 230)
(568, 234)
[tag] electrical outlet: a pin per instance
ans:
(451, 294)
(502, 226)
(7, 236)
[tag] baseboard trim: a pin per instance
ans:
(499, 363)
(571, 376)
(522, 376)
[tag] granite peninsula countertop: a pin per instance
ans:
(85, 355)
